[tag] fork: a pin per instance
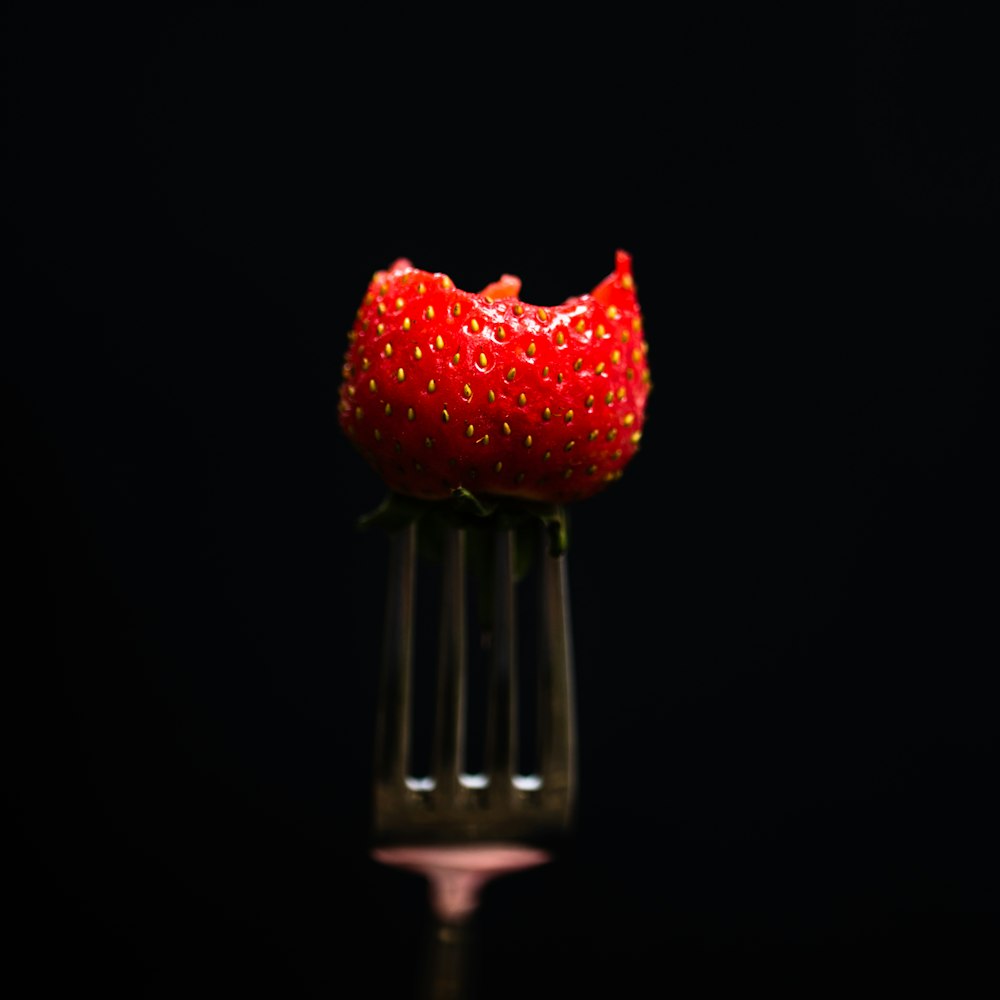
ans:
(458, 826)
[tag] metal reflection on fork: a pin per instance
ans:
(457, 826)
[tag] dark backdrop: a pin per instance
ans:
(783, 612)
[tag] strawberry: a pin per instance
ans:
(448, 392)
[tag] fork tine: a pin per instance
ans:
(557, 717)
(448, 749)
(500, 752)
(392, 723)
(458, 833)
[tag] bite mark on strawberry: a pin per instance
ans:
(445, 390)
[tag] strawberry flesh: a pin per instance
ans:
(445, 391)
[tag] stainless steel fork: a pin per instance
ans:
(457, 824)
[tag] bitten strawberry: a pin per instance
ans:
(445, 390)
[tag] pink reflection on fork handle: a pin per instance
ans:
(457, 873)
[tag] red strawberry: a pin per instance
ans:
(445, 390)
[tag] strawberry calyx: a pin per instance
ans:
(473, 513)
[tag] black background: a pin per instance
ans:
(783, 612)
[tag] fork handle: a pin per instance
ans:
(447, 974)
